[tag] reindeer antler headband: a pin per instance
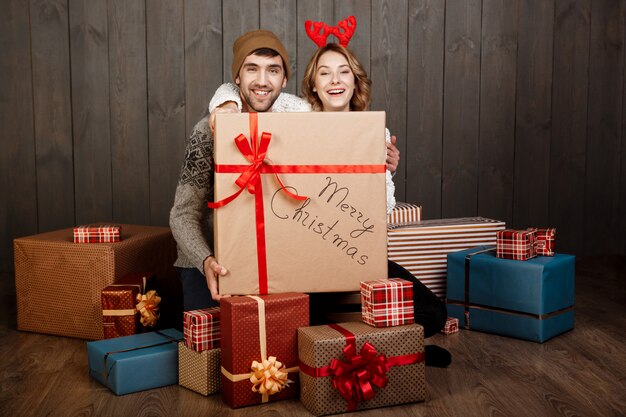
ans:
(319, 31)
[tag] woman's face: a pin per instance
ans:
(334, 82)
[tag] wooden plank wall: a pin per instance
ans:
(510, 109)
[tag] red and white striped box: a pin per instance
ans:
(105, 233)
(405, 213)
(387, 302)
(544, 241)
(452, 326)
(422, 248)
(516, 244)
(201, 329)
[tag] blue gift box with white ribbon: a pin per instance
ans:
(137, 362)
(532, 299)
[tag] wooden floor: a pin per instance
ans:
(580, 373)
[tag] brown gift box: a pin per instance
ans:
(319, 345)
(59, 283)
(337, 160)
(199, 371)
(242, 343)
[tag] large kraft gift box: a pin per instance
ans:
(532, 300)
(272, 242)
(371, 367)
(58, 283)
(422, 248)
(137, 362)
(257, 333)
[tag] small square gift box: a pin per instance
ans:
(105, 233)
(120, 302)
(387, 302)
(135, 363)
(451, 326)
(404, 213)
(199, 371)
(352, 366)
(516, 244)
(202, 329)
(259, 347)
(544, 241)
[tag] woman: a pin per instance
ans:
(334, 80)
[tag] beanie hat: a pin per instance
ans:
(257, 39)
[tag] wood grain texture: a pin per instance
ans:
(52, 108)
(424, 146)
(316, 11)
(361, 42)
(604, 125)
(389, 73)
(533, 113)
(279, 16)
(90, 110)
(569, 122)
(578, 373)
(18, 181)
(461, 108)
(129, 110)
(166, 103)
(497, 109)
(239, 17)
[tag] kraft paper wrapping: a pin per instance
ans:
(319, 345)
(59, 283)
(199, 371)
(284, 314)
(343, 230)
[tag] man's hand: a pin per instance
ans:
(393, 155)
(213, 270)
(228, 107)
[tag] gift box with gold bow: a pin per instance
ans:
(259, 347)
(352, 366)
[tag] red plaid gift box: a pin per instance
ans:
(97, 233)
(515, 244)
(544, 241)
(452, 326)
(202, 329)
(387, 302)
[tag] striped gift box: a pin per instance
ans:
(201, 329)
(405, 213)
(516, 244)
(387, 302)
(105, 233)
(544, 241)
(422, 248)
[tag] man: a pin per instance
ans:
(260, 69)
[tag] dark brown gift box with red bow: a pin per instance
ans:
(255, 328)
(384, 366)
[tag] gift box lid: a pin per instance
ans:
(539, 285)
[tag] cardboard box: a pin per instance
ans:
(135, 363)
(257, 328)
(387, 302)
(202, 329)
(532, 300)
(405, 213)
(59, 283)
(319, 346)
(199, 371)
(273, 243)
(422, 248)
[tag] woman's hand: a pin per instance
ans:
(213, 270)
(228, 107)
(393, 155)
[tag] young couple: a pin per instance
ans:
(334, 80)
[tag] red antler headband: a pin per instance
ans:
(319, 31)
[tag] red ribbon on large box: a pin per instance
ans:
(250, 178)
(356, 377)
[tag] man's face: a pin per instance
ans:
(260, 81)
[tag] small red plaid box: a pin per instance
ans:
(544, 241)
(105, 233)
(515, 244)
(387, 302)
(452, 326)
(202, 329)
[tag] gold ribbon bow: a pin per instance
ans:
(148, 307)
(269, 376)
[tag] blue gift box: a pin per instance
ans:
(137, 362)
(532, 300)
